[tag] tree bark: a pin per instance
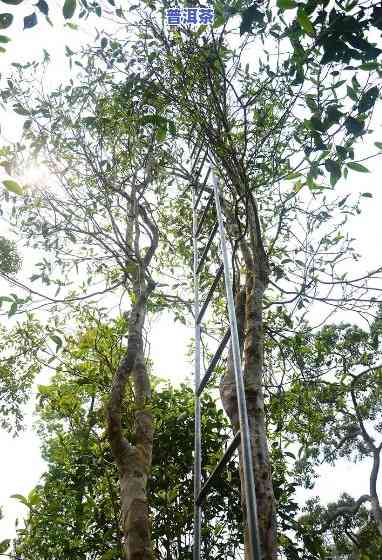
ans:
(253, 376)
(374, 499)
(133, 461)
(249, 312)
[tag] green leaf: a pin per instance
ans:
(334, 169)
(379, 145)
(367, 195)
(250, 16)
(12, 309)
(333, 115)
(4, 39)
(354, 126)
(292, 176)
(12, 2)
(20, 110)
(369, 66)
(20, 498)
(218, 21)
(342, 152)
(368, 99)
(172, 128)
(155, 119)
(33, 498)
(311, 102)
(161, 133)
(358, 167)
(30, 21)
(57, 340)
(13, 186)
(4, 545)
(42, 5)
(286, 4)
(316, 123)
(304, 21)
(289, 454)
(339, 84)
(108, 555)
(89, 121)
(69, 8)
(351, 93)
(5, 20)
(44, 389)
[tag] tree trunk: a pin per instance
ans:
(133, 461)
(374, 499)
(249, 304)
(134, 501)
(253, 377)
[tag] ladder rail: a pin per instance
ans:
(197, 443)
(248, 474)
(243, 435)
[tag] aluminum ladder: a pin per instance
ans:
(199, 159)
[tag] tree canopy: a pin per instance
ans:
(278, 97)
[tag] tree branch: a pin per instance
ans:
(343, 510)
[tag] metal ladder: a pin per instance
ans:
(200, 160)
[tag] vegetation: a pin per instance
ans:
(76, 508)
(109, 234)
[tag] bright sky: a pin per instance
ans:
(21, 464)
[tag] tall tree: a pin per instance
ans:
(276, 164)
(333, 397)
(255, 138)
(96, 220)
(75, 510)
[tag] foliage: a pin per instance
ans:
(282, 132)
(75, 508)
(328, 407)
(10, 260)
(20, 348)
(66, 8)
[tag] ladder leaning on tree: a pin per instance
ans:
(201, 166)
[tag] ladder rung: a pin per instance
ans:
(213, 362)
(204, 215)
(207, 247)
(210, 293)
(199, 148)
(194, 150)
(202, 188)
(219, 468)
(203, 161)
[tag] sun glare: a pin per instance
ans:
(35, 177)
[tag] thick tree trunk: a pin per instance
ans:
(133, 461)
(249, 303)
(134, 502)
(253, 375)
